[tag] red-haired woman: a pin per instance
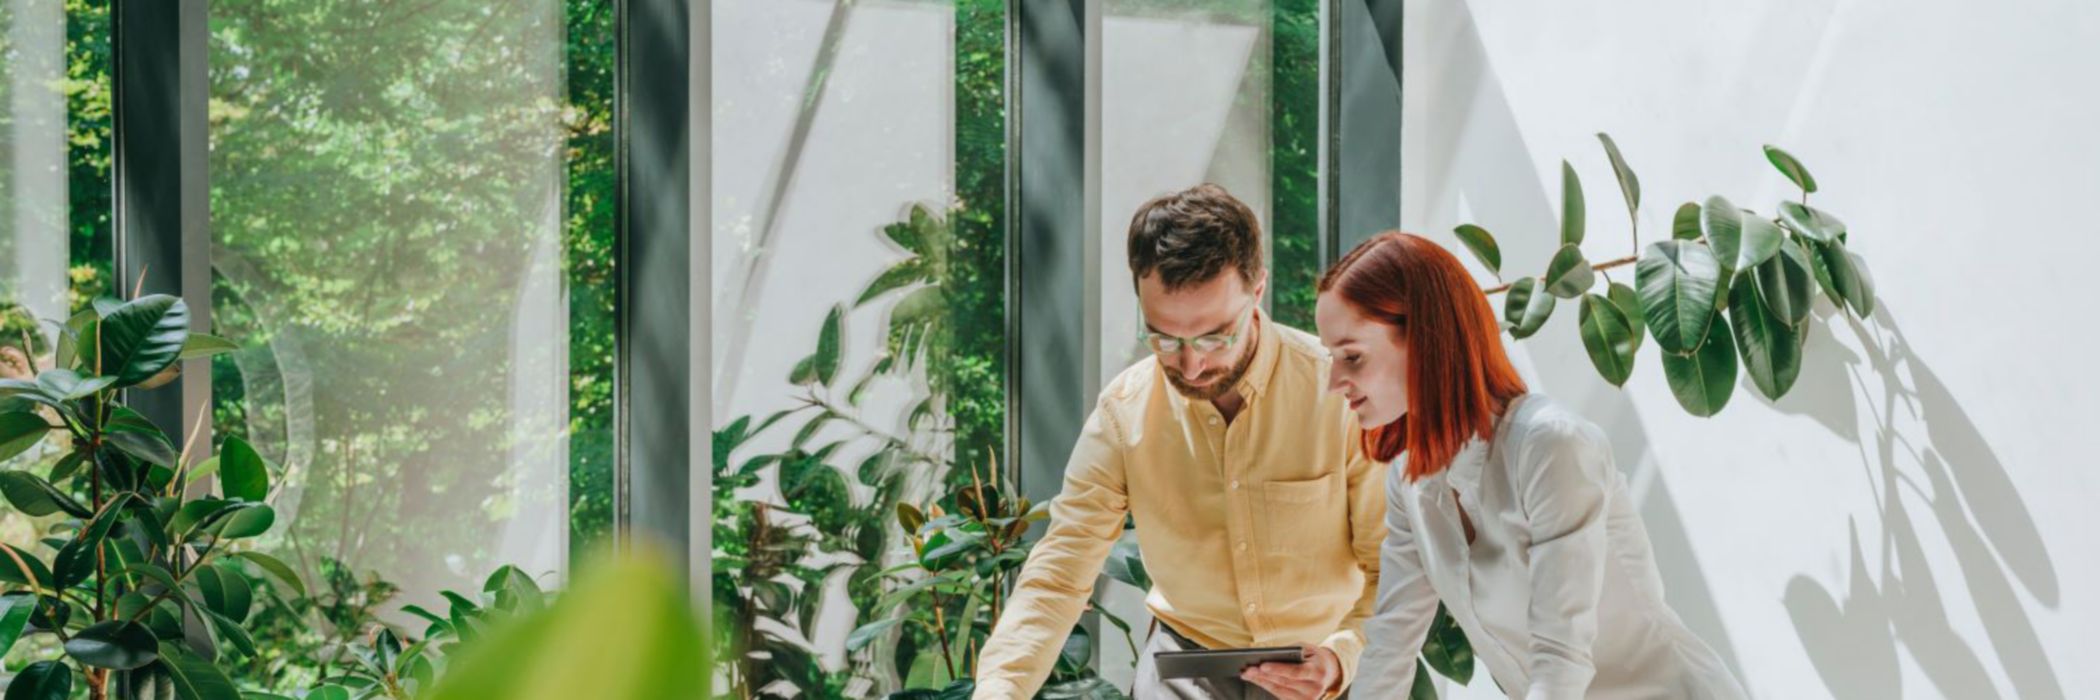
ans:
(1502, 504)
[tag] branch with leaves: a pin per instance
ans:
(1731, 290)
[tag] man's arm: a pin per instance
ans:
(1367, 501)
(1085, 521)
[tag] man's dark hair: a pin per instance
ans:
(1192, 235)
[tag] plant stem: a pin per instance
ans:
(1606, 265)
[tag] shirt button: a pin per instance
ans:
(1250, 607)
(1243, 545)
(1235, 483)
(1213, 420)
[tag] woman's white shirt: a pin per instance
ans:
(1558, 593)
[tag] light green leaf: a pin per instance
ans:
(1685, 225)
(827, 355)
(1791, 168)
(1482, 244)
(1608, 337)
(624, 633)
(1569, 275)
(1723, 224)
(905, 272)
(1704, 380)
(1629, 303)
(205, 345)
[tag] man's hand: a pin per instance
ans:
(1312, 680)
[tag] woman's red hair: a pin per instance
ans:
(1458, 378)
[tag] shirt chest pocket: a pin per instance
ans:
(1308, 517)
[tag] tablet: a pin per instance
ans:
(1222, 663)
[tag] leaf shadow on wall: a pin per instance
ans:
(1931, 466)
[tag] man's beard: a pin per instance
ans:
(1213, 390)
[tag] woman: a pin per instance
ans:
(1502, 504)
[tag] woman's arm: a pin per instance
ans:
(1406, 605)
(1562, 471)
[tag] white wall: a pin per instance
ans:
(1911, 520)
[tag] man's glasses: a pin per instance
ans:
(1167, 344)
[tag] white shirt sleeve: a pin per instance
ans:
(1405, 608)
(1563, 472)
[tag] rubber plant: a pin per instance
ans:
(132, 576)
(1731, 289)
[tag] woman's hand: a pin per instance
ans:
(1312, 680)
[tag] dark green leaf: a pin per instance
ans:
(804, 373)
(1629, 303)
(1814, 223)
(1704, 380)
(224, 592)
(1629, 185)
(1848, 277)
(514, 590)
(43, 680)
(1526, 307)
(1760, 241)
(243, 473)
(1077, 655)
(1608, 337)
(1783, 284)
(1424, 686)
(13, 559)
(1446, 648)
(329, 692)
(139, 437)
(19, 431)
(143, 337)
(1791, 168)
(1677, 285)
(68, 465)
(1569, 275)
(1482, 244)
(116, 644)
(1723, 223)
(195, 678)
(1571, 209)
(36, 497)
(246, 520)
(1771, 350)
(827, 355)
(65, 384)
(909, 518)
(1685, 225)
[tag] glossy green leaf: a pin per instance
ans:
(1629, 303)
(1760, 241)
(1771, 350)
(143, 337)
(1127, 564)
(868, 633)
(329, 692)
(1704, 380)
(1684, 226)
(1424, 686)
(624, 633)
(35, 497)
(137, 436)
(906, 272)
(14, 617)
(1446, 649)
(19, 431)
(1848, 278)
(1569, 275)
(114, 644)
(248, 520)
(195, 678)
(243, 473)
(1608, 338)
(1791, 168)
(1814, 223)
(76, 560)
(1572, 216)
(1723, 224)
(1784, 285)
(1526, 307)
(224, 592)
(65, 384)
(1629, 185)
(1482, 244)
(1677, 283)
(43, 680)
(513, 589)
(804, 373)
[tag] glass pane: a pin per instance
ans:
(1194, 91)
(411, 227)
(858, 240)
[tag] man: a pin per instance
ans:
(1259, 516)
